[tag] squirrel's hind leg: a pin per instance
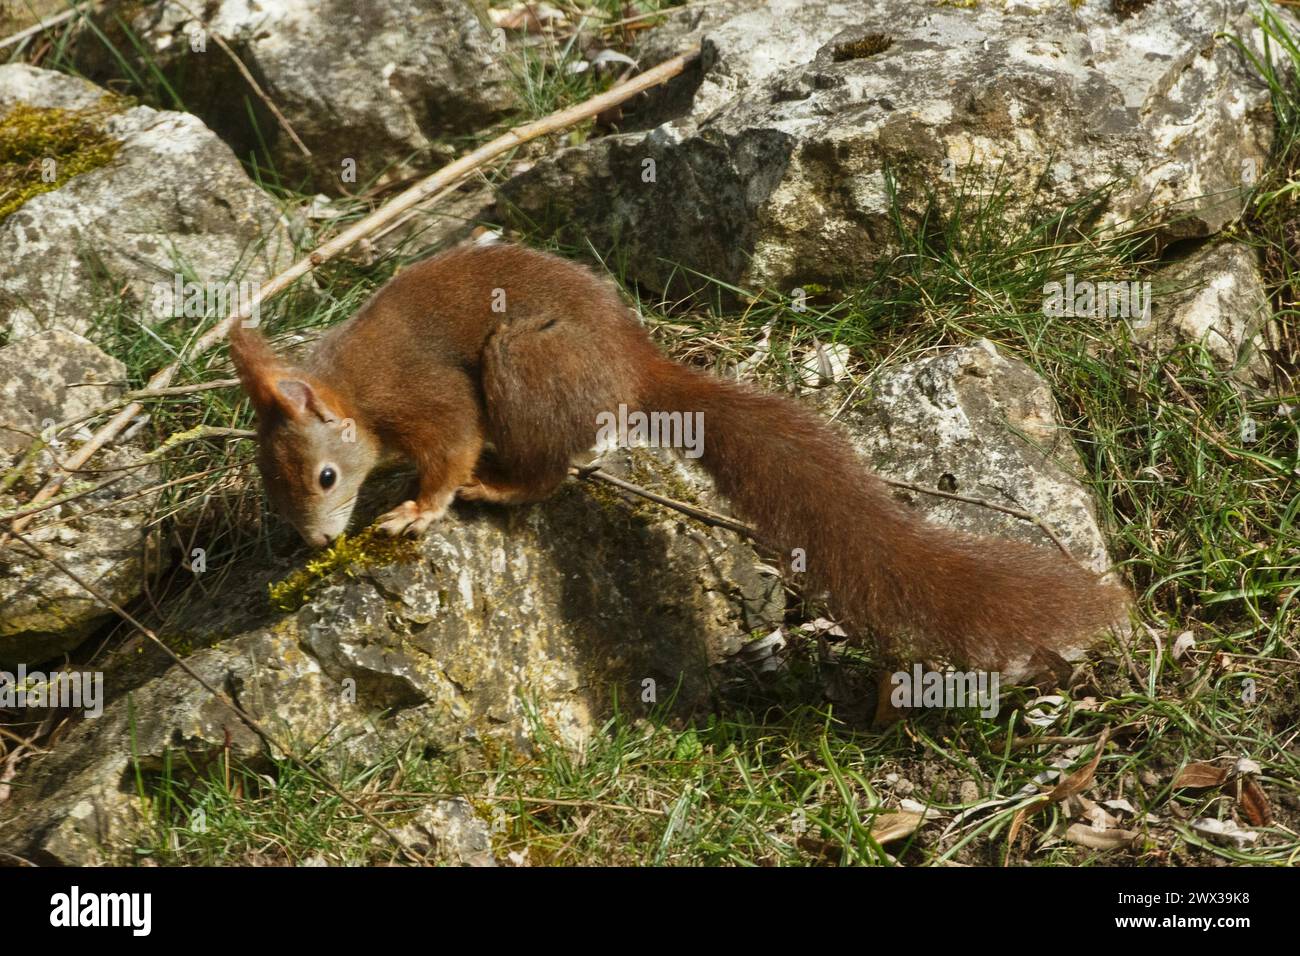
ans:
(546, 378)
(493, 483)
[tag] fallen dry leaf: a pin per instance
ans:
(1045, 711)
(895, 825)
(1094, 814)
(1119, 805)
(1225, 831)
(1111, 838)
(916, 806)
(1081, 779)
(1071, 786)
(1254, 803)
(1200, 774)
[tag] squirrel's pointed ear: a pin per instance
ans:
(257, 367)
(298, 398)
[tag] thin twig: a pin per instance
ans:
(198, 433)
(248, 78)
(49, 24)
(506, 798)
(140, 394)
(700, 514)
(722, 521)
(239, 712)
(411, 213)
(151, 490)
(449, 174)
(1020, 743)
(985, 503)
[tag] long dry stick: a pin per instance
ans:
(985, 503)
(142, 393)
(449, 174)
(593, 473)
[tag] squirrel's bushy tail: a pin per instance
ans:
(921, 589)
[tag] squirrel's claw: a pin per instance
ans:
(410, 519)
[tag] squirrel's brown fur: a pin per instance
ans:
(487, 366)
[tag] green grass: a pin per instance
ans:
(549, 69)
(763, 787)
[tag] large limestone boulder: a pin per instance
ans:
(774, 172)
(47, 379)
(975, 424)
(380, 84)
(167, 198)
(566, 608)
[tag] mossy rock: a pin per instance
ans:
(41, 148)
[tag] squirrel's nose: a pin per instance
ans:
(317, 540)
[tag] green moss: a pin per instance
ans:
(862, 47)
(613, 502)
(347, 555)
(662, 476)
(74, 140)
(182, 644)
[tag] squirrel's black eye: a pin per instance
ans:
(327, 477)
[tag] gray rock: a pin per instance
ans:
(972, 422)
(374, 84)
(100, 537)
(172, 199)
(448, 832)
(1216, 297)
(556, 609)
(35, 375)
(774, 174)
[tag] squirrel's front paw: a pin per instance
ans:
(410, 519)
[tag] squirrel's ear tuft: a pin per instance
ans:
(297, 398)
(257, 367)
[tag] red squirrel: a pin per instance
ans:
(487, 367)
